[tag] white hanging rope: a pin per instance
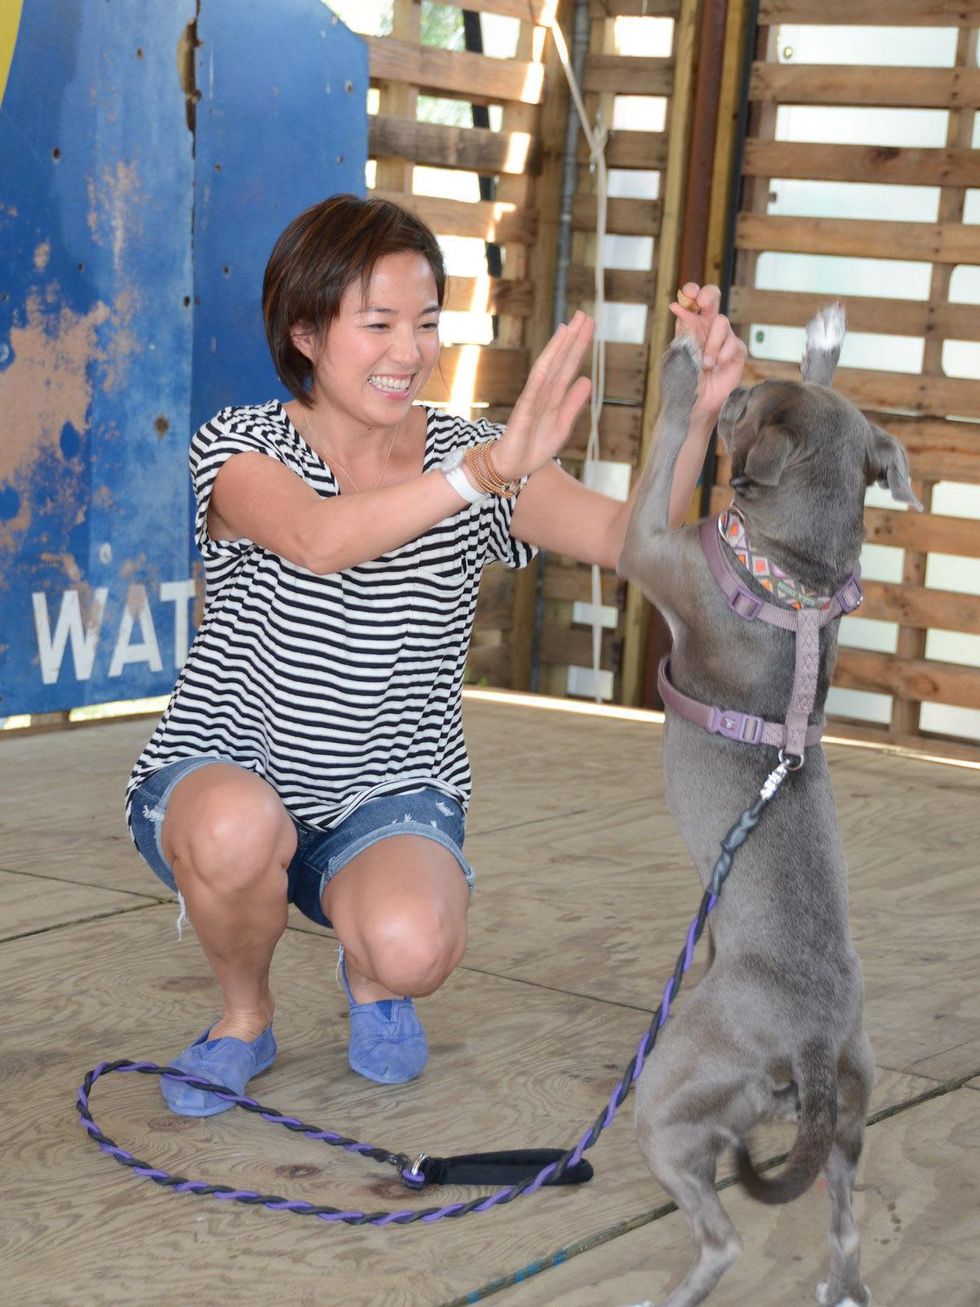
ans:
(596, 139)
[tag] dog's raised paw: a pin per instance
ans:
(680, 371)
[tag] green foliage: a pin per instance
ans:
(442, 26)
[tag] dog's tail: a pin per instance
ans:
(816, 1079)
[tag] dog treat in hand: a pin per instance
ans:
(686, 302)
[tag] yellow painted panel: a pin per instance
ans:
(9, 26)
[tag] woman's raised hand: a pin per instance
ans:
(551, 400)
(722, 353)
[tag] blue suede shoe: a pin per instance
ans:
(226, 1061)
(387, 1042)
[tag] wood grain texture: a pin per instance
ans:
(952, 242)
(632, 75)
(921, 88)
(915, 1206)
(478, 77)
(583, 895)
(855, 163)
(485, 219)
(864, 313)
(873, 389)
(476, 149)
(892, 13)
(31, 903)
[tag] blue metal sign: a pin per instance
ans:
(137, 210)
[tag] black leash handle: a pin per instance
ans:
(508, 1167)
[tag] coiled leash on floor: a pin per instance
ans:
(521, 1172)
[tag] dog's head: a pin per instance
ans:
(802, 457)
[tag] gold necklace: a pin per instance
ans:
(335, 462)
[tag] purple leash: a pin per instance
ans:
(425, 1170)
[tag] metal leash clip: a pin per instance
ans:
(413, 1176)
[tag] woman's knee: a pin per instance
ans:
(226, 832)
(414, 953)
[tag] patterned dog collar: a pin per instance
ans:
(784, 589)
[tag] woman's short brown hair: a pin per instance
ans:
(321, 253)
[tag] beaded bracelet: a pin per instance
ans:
(480, 463)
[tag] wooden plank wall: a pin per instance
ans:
(485, 380)
(524, 159)
(561, 642)
(917, 408)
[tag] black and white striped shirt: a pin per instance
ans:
(335, 688)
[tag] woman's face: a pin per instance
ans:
(380, 349)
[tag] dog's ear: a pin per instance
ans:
(766, 459)
(888, 465)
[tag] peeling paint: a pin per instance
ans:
(114, 203)
(121, 343)
(67, 563)
(131, 566)
(47, 385)
(41, 255)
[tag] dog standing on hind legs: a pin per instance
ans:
(775, 1027)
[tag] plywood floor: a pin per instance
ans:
(584, 893)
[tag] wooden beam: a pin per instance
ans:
(475, 149)
(923, 532)
(912, 392)
(894, 317)
(920, 88)
(393, 170)
(623, 217)
(938, 450)
(542, 11)
(918, 679)
(921, 607)
(874, 13)
(951, 242)
(477, 374)
(486, 219)
(458, 71)
(634, 75)
(627, 149)
(857, 163)
(490, 295)
(621, 285)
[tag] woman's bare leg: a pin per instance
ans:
(229, 841)
(399, 909)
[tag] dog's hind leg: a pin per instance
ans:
(684, 1164)
(843, 1287)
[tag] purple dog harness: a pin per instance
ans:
(806, 622)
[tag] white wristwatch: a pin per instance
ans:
(452, 469)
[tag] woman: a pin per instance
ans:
(312, 749)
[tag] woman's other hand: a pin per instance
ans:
(549, 404)
(723, 354)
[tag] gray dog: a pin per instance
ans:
(775, 1027)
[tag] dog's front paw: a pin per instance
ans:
(826, 1299)
(680, 372)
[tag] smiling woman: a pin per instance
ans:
(312, 751)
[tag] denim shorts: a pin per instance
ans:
(320, 854)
